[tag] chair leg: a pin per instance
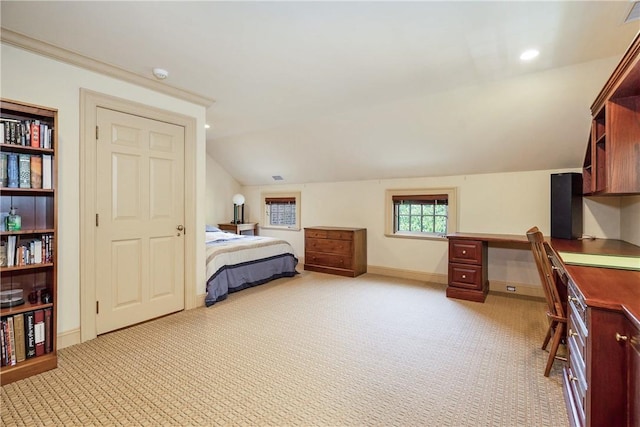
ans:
(548, 337)
(557, 337)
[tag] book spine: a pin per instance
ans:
(29, 330)
(47, 171)
(12, 342)
(18, 325)
(35, 134)
(36, 171)
(3, 170)
(3, 344)
(13, 175)
(25, 170)
(48, 335)
(39, 329)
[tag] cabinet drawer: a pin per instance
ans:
(329, 234)
(333, 246)
(577, 336)
(328, 260)
(465, 276)
(578, 392)
(465, 251)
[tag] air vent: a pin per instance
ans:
(634, 13)
(277, 178)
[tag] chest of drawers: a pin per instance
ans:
(468, 269)
(336, 250)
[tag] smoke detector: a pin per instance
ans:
(160, 73)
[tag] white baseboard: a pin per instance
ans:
(408, 274)
(520, 289)
(69, 338)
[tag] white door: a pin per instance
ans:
(140, 212)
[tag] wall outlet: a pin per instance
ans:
(511, 288)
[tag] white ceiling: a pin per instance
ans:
(337, 91)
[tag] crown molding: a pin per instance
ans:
(67, 56)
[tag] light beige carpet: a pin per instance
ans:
(311, 350)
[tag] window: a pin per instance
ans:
(281, 210)
(421, 212)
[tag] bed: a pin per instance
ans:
(236, 262)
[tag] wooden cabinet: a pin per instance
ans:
(336, 250)
(29, 327)
(250, 228)
(612, 160)
(633, 392)
(468, 269)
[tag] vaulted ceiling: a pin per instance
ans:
(336, 91)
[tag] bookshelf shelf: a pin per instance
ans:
(28, 331)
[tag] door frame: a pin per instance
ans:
(89, 103)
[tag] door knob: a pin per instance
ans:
(180, 227)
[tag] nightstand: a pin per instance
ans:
(250, 228)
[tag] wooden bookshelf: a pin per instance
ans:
(35, 271)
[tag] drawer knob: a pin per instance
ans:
(464, 252)
(572, 333)
(573, 299)
(572, 377)
(464, 276)
(621, 337)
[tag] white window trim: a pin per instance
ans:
(265, 219)
(452, 216)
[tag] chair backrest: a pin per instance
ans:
(549, 285)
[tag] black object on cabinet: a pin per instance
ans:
(566, 205)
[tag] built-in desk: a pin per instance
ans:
(602, 377)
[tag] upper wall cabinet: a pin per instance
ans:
(612, 161)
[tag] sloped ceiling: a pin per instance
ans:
(337, 91)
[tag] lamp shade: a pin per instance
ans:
(238, 199)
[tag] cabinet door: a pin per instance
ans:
(633, 397)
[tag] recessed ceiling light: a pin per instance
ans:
(207, 126)
(528, 55)
(160, 73)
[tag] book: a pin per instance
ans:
(13, 175)
(36, 171)
(24, 161)
(38, 329)
(3, 170)
(29, 332)
(47, 171)
(48, 335)
(3, 346)
(12, 342)
(18, 326)
(35, 134)
(11, 250)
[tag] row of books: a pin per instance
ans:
(28, 133)
(26, 251)
(26, 335)
(26, 170)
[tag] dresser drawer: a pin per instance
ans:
(465, 251)
(328, 260)
(465, 276)
(329, 234)
(578, 394)
(577, 336)
(332, 246)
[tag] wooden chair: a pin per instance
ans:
(556, 312)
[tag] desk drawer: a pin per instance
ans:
(465, 251)
(465, 276)
(333, 246)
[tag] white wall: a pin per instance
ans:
(504, 203)
(220, 190)
(34, 79)
(630, 219)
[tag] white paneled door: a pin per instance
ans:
(139, 222)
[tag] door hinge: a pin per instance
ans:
(97, 220)
(97, 132)
(97, 307)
